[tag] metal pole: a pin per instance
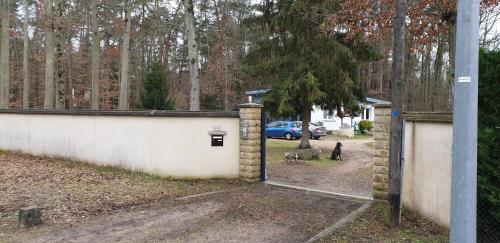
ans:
(263, 122)
(398, 67)
(464, 162)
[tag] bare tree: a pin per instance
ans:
(96, 55)
(4, 56)
(194, 72)
(59, 62)
(26, 49)
(71, 68)
(125, 59)
(49, 57)
(490, 34)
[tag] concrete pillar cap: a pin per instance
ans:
(251, 105)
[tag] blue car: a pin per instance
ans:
(284, 129)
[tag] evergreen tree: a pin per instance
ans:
(489, 144)
(156, 90)
(304, 60)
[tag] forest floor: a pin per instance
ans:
(352, 175)
(85, 203)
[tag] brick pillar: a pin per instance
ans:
(250, 134)
(381, 135)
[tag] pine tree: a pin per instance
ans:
(156, 90)
(304, 61)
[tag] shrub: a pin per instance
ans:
(365, 125)
(488, 157)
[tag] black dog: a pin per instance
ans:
(337, 152)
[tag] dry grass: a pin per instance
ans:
(276, 149)
(372, 226)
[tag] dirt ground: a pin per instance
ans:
(255, 214)
(85, 203)
(70, 192)
(352, 175)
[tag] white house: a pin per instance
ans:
(333, 122)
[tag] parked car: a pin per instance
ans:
(315, 130)
(284, 129)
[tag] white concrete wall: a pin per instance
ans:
(165, 146)
(427, 169)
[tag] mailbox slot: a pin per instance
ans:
(217, 140)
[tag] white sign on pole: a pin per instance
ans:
(464, 79)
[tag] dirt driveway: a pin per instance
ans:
(84, 203)
(254, 214)
(352, 175)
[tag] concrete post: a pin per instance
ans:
(381, 135)
(464, 157)
(250, 141)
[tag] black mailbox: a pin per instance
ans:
(217, 140)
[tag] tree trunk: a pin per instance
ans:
(49, 59)
(194, 72)
(438, 63)
(96, 55)
(437, 86)
(26, 48)
(60, 69)
(4, 56)
(381, 66)
(69, 73)
(410, 78)
(426, 77)
(451, 46)
(143, 71)
(125, 58)
(306, 119)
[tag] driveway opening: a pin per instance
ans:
(351, 176)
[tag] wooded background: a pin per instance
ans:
(62, 53)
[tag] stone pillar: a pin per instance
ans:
(250, 135)
(381, 135)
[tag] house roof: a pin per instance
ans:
(257, 92)
(377, 101)
(368, 100)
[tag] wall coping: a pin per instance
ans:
(446, 117)
(138, 113)
(251, 105)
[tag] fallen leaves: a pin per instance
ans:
(70, 192)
